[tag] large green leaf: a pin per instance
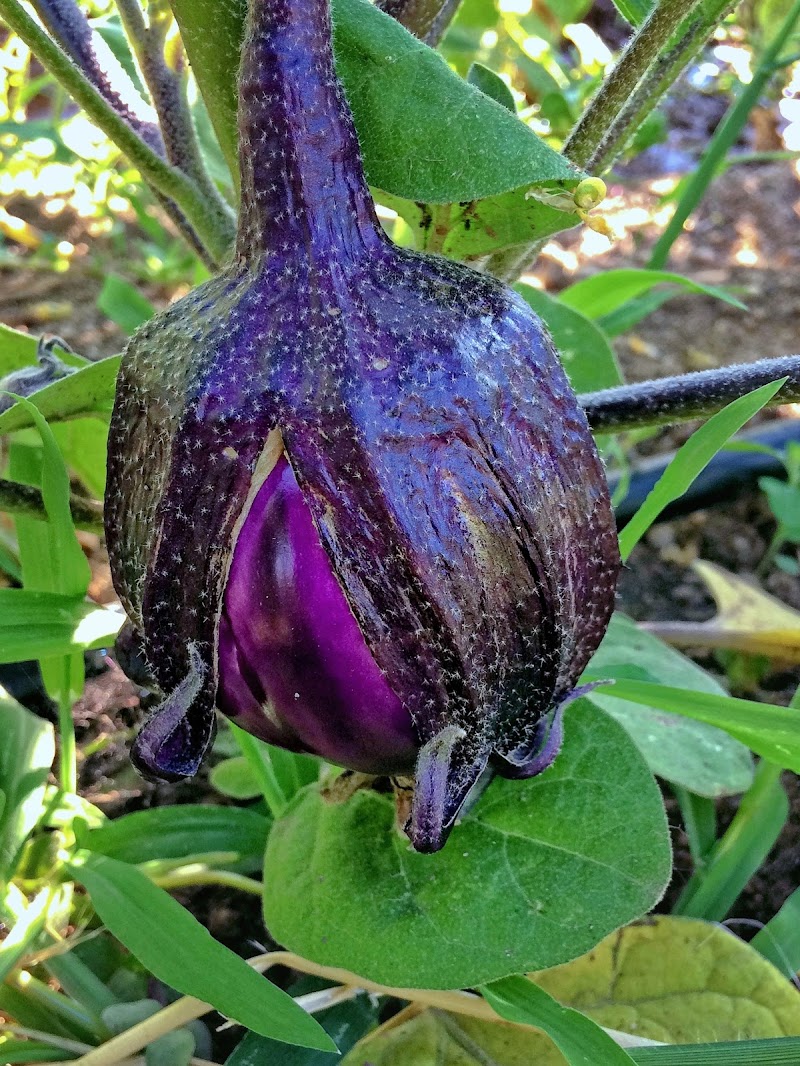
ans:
(691, 754)
(26, 755)
(180, 952)
(535, 874)
(425, 133)
(35, 625)
(89, 390)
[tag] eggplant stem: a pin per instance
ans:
(664, 401)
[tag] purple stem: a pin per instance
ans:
(302, 180)
(426, 19)
(687, 396)
(166, 89)
(70, 27)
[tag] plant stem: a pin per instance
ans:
(70, 27)
(687, 396)
(603, 111)
(185, 1010)
(642, 52)
(690, 37)
(166, 88)
(67, 750)
(16, 498)
(212, 228)
(426, 19)
(204, 876)
(725, 136)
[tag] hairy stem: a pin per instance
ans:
(634, 63)
(70, 27)
(213, 230)
(669, 65)
(167, 90)
(679, 399)
(426, 19)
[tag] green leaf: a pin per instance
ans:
(425, 133)
(123, 303)
(784, 501)
(180, 952)
(88, 391)
(83, 443)
(69, 566)
(345, 1023)
(779, 940)
(585, 352)
(607, 292)
(778, 1052)
(235, 778)
(477, 227)
(26, 755)
(772, 732)
(185, 830)
(692, 458)
(635, 11)
(485, 79)
(690, 754)
(678, 980)
(734, 859)
(534, 874)
(30, 1051)
(35, 625)
(580, 1040)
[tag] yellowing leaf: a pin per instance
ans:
(747, 620)
(680, 981)
(673, 980)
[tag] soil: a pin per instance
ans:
(752, 215)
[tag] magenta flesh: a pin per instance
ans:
(294, 667)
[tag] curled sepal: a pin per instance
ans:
(174, 740)
(448, 768)
(547, 740)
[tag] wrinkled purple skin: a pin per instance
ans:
(432, 564)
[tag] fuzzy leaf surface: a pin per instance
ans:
(535, 874)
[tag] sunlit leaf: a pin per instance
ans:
(26, 755)
(585, 351)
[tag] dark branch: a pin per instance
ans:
(426, 19)
(679, 399)
(16, 498)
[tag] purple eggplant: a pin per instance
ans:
(353, 501)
